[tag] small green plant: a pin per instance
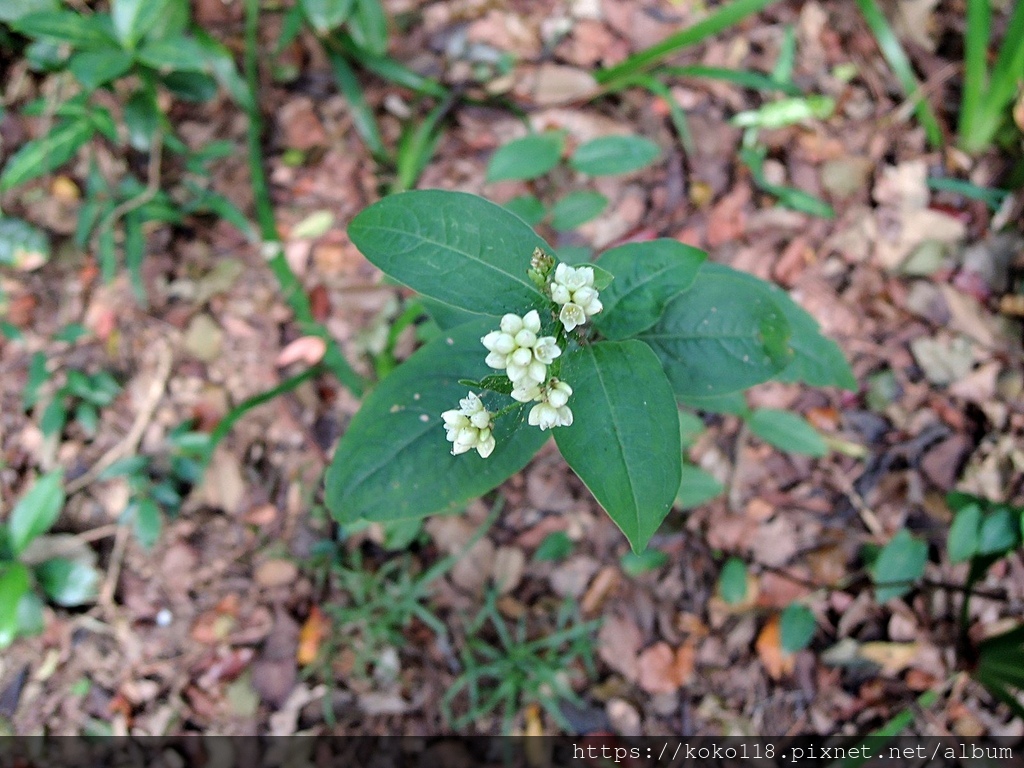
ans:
(507, 668)
(80, 397)
(988, 92)
(153, 48)
(538, 154)
(601, 354)
(33, 565)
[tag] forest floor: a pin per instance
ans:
(223, 626)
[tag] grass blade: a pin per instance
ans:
(362, 116)
(675, 112)
(723, 18)
(973, 108)
(744, 78)
(387, 68)
(901, 67)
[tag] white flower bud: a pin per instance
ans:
(537, 371)
(522, 356)
(584, 296)
(531, 321)
(560, 294)
(558, 394)
(526, 338)
(511, 324)
(574, 287)
(525, 392)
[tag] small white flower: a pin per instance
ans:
(573, 290)
(553, 410)
(517, 349)
(470, 427)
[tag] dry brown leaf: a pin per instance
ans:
(662, 670)
(893, 658)
(777, 662)
(313, 631)
(618, 644)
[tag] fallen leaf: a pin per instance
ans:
(777, 662)
(618, 644)
(276, 573)
(893, 658)
(305, 349)
(662, 670)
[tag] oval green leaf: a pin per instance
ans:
(732, 581)
(610, 155)
(624, 440)
(96, 68)
(696, 487)
(527, 158)
(22, 246)
(394, 461)
(647, 276)
(900, 563)
(36, 511)
(134, 18)
(326, 15)
(64, 26)
(454, 247)
(787, 431)
(14, 585)
(797, 627)
(722, 335)
(962, 542)
(69, 582)
(528, 208)
(47, 153)
(576, 209)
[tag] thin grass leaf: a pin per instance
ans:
(723, 18)
(991, 196)
(362, 116)
(675, 112)
(972, 108)
(901, 67)
(389, 69)
(783, 70)
(744, 78)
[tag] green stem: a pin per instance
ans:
(291, 287)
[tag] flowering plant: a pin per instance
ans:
(601, 356)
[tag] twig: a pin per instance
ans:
(130, 442)
(869, 518)
(106, 596)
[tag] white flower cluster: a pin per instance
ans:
(470, 427)
(518, 349)
(573, 290)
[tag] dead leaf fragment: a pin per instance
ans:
(662, 670)
(893, 658)
(777, 662)
(305, 349)
(618, 644)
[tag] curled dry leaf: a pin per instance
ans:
(777, 662)
(663, 670)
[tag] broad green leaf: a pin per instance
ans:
(732, 581)
(610, 155)
(96, 68)
(722, 335)
(146, 521)
(22, 246)
(527, 158)
(30, 615)
(647, 276)
(37, 375)
(36, 511)
(555, 546)
(576, 209)
(394, 462)
(999, 533)
(696, 487)
(817, 360)
(175, 54)
(445, 315)
(639, 563)
(222, 66)
(900, 563)
(197, 87)
(369, 27)
(134, 18)
(796, 627)
(624, 439)
(14, 585)
(69, 582)
(142, 117)
(962, 542)
(574, 254)
(55, 416)
(13, 10)
(786, 431)
(77, 29)
(528, 208)
(326, 15)
(457, 248)
(47, 153)
(690, 428)
(734, 403)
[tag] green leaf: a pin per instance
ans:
(69, 582)
(14, 585)
(786, 431)
(555, 546)
(734, 403)
(696, 487)
(47, 153)
(576, 209)
(1000, 532)
(142, 117)
(13, 10)
(54, 418)
(222, 66)
(962, 542)
(610, 155)
(639, 563)
(527, 158)
(797, 627)
(457, 248)
(647, 276)
(22, 246)
(37, 375)
(77, 29)
(96, 68)
(175, 54)
(900, 563)
(326, 15)
(722, 335)
(30, 614)
(36, 511)
(146, 521)
(134, 18)
(691, 427)
(528, 208)
(197, 87)
(624, 440)
(732, 581)
(393, 462)
(369, 27)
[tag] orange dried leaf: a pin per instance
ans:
(777, 662)
(311, 635)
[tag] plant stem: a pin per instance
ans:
(291, 287)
